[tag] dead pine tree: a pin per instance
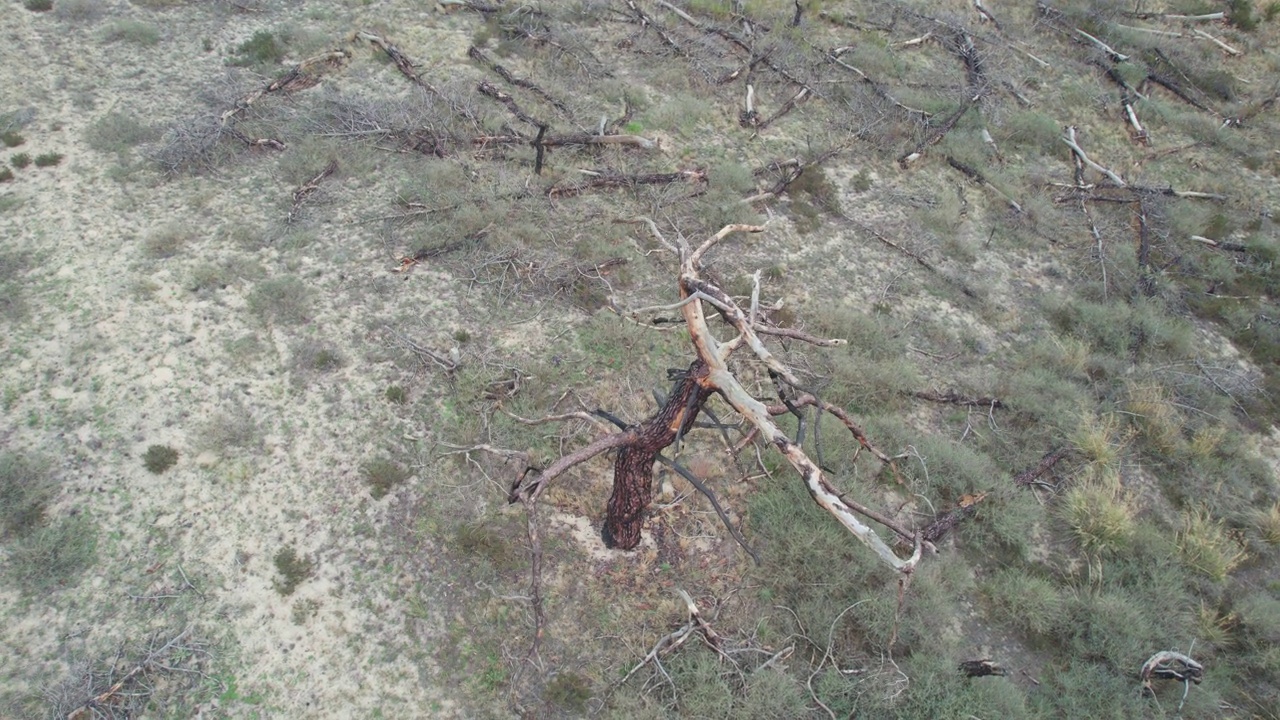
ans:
(637, 447)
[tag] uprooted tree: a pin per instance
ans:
(638, 447)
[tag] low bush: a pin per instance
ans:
(383, 475)
(26, 488)
(159, 458)
(293, 568)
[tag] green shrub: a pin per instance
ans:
(5, 174)
(12, 139)
(20, 160)
(383, 474)
(132, 31)
(26, 488)
(54, 555)
(159, 458)
(1240, 14)
(261, 49)
(38, 5)
(396, 394)
(49, 159)
(293, 569)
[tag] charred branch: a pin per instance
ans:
(603, 180)
(1033, 474)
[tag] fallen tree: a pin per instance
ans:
(638, 446)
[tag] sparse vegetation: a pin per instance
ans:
(79, 10)
(166, 242)
(286, 300)
(52, 557)
(117, 133)
(422, 312)
(132, 31)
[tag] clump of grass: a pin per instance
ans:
(5, 174)
(1099, 515)
(132, 31)
(117, 133)
(1268, 524)
(166, 242)
(396, 394)
(20, 160)
(315, 357)
(261, 49)
(811, 195)
(477, 538)
(52, 556)
(294, 570)
(1158, 420)
(1030, 603)
(1099, 439)
(11, 138)
(79, 10)
(26, 488)
(285, 300)
(235, 428)
(862, 182)
(1206, 546)
(159, 458)
(1033, 131)
(569, 692)
(38, 5)
(383, 474)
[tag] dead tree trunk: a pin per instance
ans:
(633, 466)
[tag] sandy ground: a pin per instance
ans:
(118, 354)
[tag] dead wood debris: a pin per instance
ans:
(309, 188)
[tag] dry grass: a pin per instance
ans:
(1099, 514)
(1206, 545)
